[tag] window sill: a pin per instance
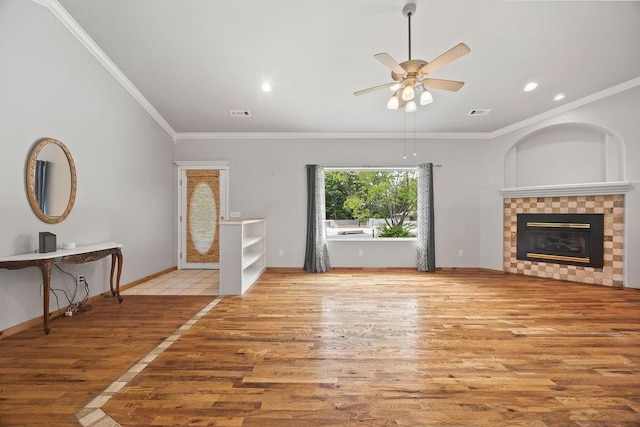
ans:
(373, 239)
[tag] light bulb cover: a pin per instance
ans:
(393, 103)
(408, 93)
(411, 107)
(426, 98)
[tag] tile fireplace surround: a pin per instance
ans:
(612, 206)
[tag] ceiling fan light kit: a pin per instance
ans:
(410, 76)
(426, 98)
(408, 93)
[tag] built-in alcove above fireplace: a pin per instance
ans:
(571, 239)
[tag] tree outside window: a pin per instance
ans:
(371, 203)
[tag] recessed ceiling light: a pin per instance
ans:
(266, 87)
(530, 86)
(559, 96)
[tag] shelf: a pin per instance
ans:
(594, 188)
(243, 249)
(251, 257)
(248, 241)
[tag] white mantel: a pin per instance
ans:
(587, 189)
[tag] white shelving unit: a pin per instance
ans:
(243, 259)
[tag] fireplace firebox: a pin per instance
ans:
(574, 239)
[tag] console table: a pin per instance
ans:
(78, 255)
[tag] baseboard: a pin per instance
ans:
(373, 269)
(469, 270)
(38, 320)
(284, 269)
(21, 327)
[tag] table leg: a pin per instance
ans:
(45, 267)
(116, 256)
(113, 268)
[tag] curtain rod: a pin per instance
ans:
(376, 167)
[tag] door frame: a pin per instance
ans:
(181, 168)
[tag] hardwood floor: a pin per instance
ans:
(46, 379)
(351, 347)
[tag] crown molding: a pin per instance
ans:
(45, 3)
(589, 189)
(201, 164)
(629, 84)
(326, 135)
(84, 38)
(567, 107)
(67, 20)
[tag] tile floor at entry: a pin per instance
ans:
(180, 282)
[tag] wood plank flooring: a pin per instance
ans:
(351, 347)
(46, 379)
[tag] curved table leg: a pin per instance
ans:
(113, 268)
(45, 268)
(116, 257)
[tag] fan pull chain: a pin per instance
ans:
(414, 135)
(404, 133)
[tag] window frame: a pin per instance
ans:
(368, 169)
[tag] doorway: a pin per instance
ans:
(202, 196)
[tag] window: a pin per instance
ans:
(370, 202)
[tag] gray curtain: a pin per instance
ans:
(41, 185)
(426, 236)
(316, 258)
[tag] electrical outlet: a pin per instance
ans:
(80, 279)
(460, 252)
(281, 252)
(360, 252)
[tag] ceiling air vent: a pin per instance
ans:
(480, 112)
(240, 113)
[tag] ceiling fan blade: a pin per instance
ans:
(451, 85)
(371, 89)
(386, 60)
(452, 54)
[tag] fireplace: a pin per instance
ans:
(611, 206)
(572, 239)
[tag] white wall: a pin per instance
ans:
(618, 114)
(267, 179)
(52, 87)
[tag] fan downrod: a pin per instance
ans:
(409, 10)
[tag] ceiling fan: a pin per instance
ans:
(411, 76)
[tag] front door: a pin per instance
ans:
(202, 208)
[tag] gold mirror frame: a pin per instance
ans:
(31, 173)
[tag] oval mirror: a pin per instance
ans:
(51, 180)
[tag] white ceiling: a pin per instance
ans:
(194, 60)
